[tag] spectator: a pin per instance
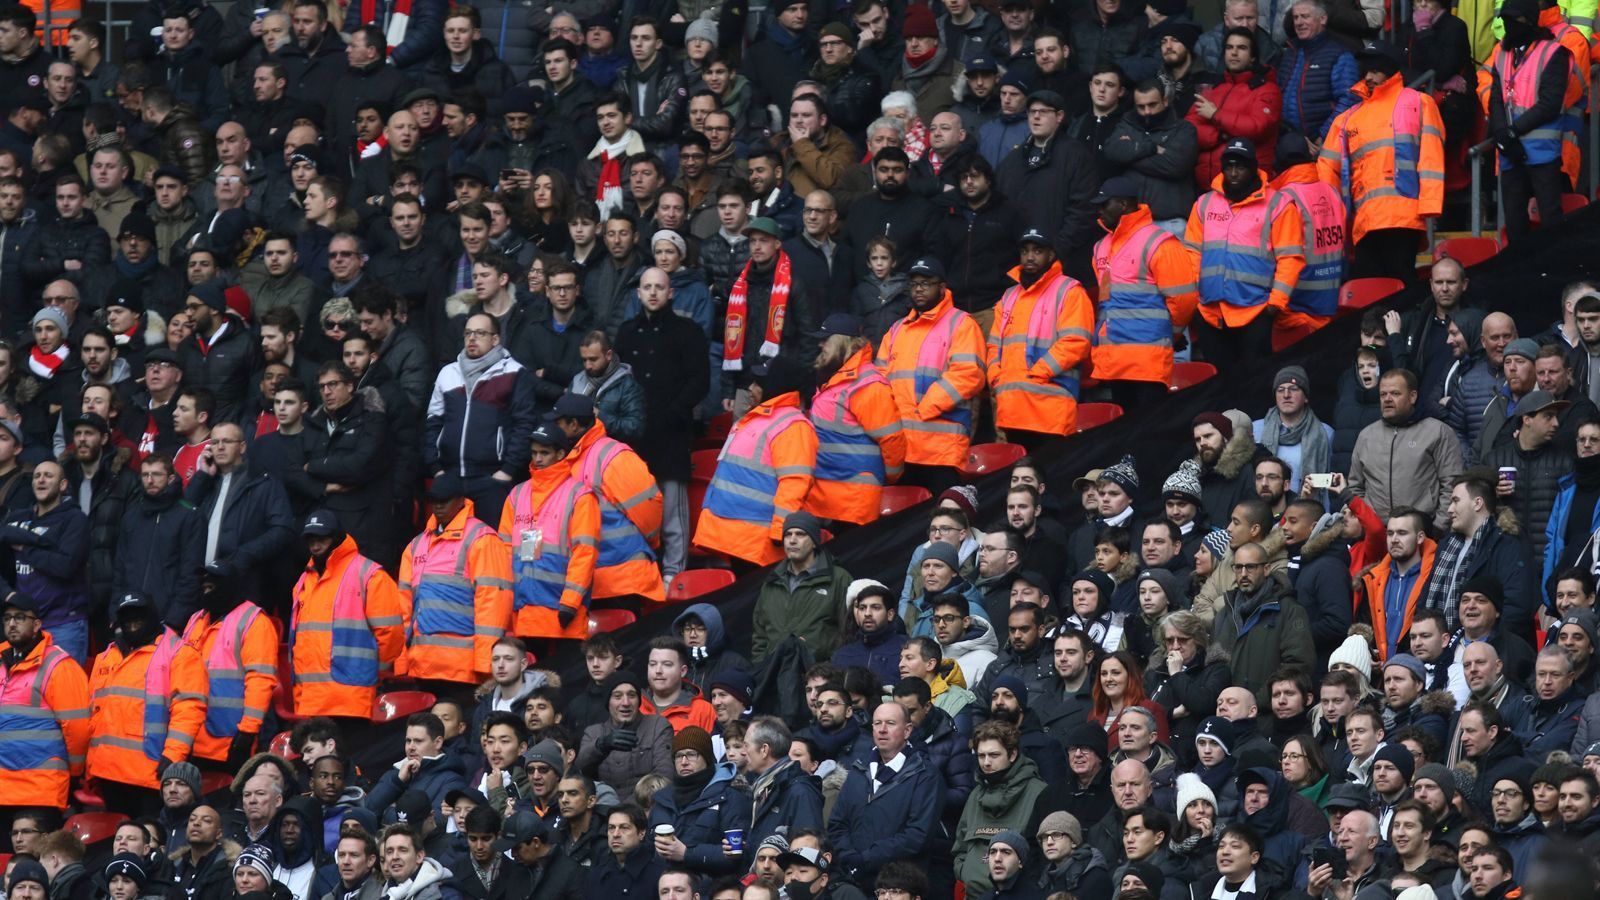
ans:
(102, 485)
(480, 403)
(631, 743)
(631, 865)
(1316, 71)
(1260, 595)
(699, 821)
(879, 637)
(897, 824)
(1246, 103)
(808, 574)
(1483, 540)
(1418, 478)
(1419, 340)
(619, 400)
(51, 541)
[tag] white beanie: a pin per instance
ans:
(1354, 652)
(1420, 892)
(1190, 789)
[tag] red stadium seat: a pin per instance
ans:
(1093, 415)
(94, 827)
(1570, 203)
(897, 497)
(282, 745)
(283, 697)
(605, 620)
(692, 583)
(393, 705)
(702, 463)
(1469, 251)
(87, 796)
(1360, 293)
(1189, 374)
(985, 458)
(214, 782)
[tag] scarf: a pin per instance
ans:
(394, 31)
(787, 41)
(829, 74)
(365, 150)
(134, 271)
(473, 369)
(206, 345)
(1307, 434)
(608, 189)
(687, 788)
(45, 364)
(916, 61)
(738, 308)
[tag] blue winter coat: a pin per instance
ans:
(1315, 78)
(1554, 722)
(1471, 387)
(1001, 135)
(795, 800)
(437, 777)
(950, 755)
(879, 652)
(1555, 534)
(720, 807)
(52, 568)
(487, 432)
(900, 821)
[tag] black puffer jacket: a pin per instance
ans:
(161, 542)
(223, 369)
(54, 243)
(540, 346)
(184, 143)
(853, 97)
(113, 487)
(484, 73)
(1538, 482)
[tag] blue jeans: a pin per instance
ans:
(73, 639)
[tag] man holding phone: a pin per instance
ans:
(1351, 864)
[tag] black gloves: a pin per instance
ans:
(566, 614)
(625, 740)
(240, 749)
(1510, 146)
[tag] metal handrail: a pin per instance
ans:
(1424, 82)
(1475, 156)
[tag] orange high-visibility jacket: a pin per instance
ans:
(763, 474)
(1234, 266)
(1373, 584)
(240, 654)
(934, 363)
(560, 573)
(1386, 156)
(1038, 348)
(144, 706)
(1141, 269)
(44, 715)
(861, 444)
(348, 624)
(456, 580)
(630, 515)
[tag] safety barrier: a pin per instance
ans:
(1485, 150)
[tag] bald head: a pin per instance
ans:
(1498, 331)
(655, 289)
(1236, 703)
(1130, 784)
(1480, 665)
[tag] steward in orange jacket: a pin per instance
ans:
(1324, 226)
(764, 472)
(1251, 253)
(455, 577)
(347, 626)
(1373, 603)
(552, 523)
(933, 359)
(861, 445)
(44, 711)
(238, 644)
(1386, 157)
(1039, 345)
(147, 699)
(1148, 290)
(630, 503)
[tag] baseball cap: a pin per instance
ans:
(804, 856)
(982, 63)
(1035, 235)
(521, 827)
(93, 420)
(764, 225)
(1539, 400)
(1049, 98)
(573, 406)
(928, 266)
(1115, 186)
(1240, 149)
(321, 523)
(840, 323)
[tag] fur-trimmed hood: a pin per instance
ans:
(1125, 570)
(1238, 451)
(1506, 520)
(460, 303)
(1321, 542)
(1439, 703)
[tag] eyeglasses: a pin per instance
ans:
(1292, 756)
(684, 754)
(335, 324)
(1505, 793)
(328, 385)
(946, 619)
(1248, 567)
(228, 179)
(560, 288)
(18, 617)
(925, 285)
(477, 333)
(943, 529)
(61, 298)
(340, 254)
(1053, 835)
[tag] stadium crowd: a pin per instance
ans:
(370, 346)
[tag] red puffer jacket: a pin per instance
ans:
(1249, 105)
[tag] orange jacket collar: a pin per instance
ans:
(1550, 18)
(589, 438)
(1259, 193)
(1385, 91)
(935, 312)
(766, 407)
(35, 656)
(1132, 221)
(1016, 275)
(851, 367)
(457, 526)
(341, 555)
(1302, 173)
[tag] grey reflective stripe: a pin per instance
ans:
(112, 690)
(185, 739)
(935, 426)
(314, 627)
(313, 678)
(253, 711)
(1030, 387)
(25, 712)
(71, 715)
(384, 621)
(490, 581)
(32, 734)
(450, 641)
(121, 743)
(456, 580)
(226, 702)
(354, 653)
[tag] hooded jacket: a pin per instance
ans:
(1006, 804)
(723, 805)
(707, 662)
(1231, 479)
(1319, 569)
(1282, 844)
(974, 650)
(812, 609)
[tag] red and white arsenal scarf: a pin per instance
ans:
(364, 149)
(45, 364)
(394, 32)
(733, 331)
